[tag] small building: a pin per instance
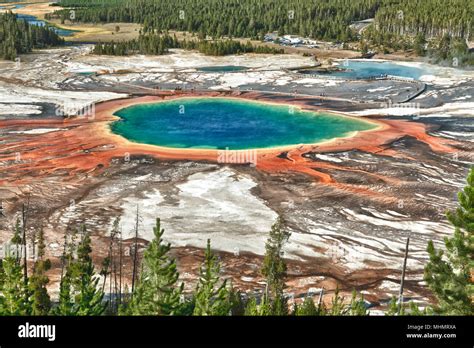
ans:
(293, 40)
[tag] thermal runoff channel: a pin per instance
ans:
(220, 123)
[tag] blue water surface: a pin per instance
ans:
(223, 68)
(219, 123)
(33, 20)
(355, 70)
(13, 7)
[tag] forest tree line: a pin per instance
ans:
(446, 50)
(157, 290)
(156, 44)
(17, 36)
(432, 18)
(422, 26)
(328, 20)
(439, 29)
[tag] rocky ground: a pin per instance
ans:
(349, 231)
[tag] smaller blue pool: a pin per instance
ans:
(223, 68)
(13, 7)
(35, 21)
(86, 73)
(357, 69)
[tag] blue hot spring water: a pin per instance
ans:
(220, 123)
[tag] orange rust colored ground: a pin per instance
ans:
(86, 145)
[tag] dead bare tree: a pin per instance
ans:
(108, 263)
(402, 281)
(320, 300)
(135, 251)
(110, 278)
(33, 245)
(24, 220)
(114, 266)
(121, 265)
(63, 256)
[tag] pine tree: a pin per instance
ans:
(307, 308)
(156, 292)
(395, 308)
(235, 298)
(274, 267)
(65, 303)
(109, 267)
(357, 306)
(211, 298)
(337, 304)
(14, 294)
(420, 42)
(251, 308)
(87, 295)
(264, 308)
(41, 303)
(124, 306)
(79, 289)
(450, 274)
(14, 291)
(416, 311)
(16, 240)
